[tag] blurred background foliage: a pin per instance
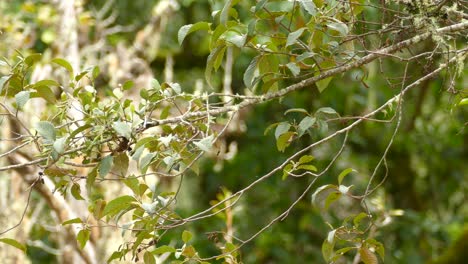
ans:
(428, 167)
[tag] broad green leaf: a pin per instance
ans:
(293, 36)
(33, 58)
(105, 165)
(164, 249)
(13, 243)
(22, 98)
(121, 164)
(123, 129)
(98, 208)
(59, 145)
(75, 190)
(340, 27)
(186, 236)
(133, 184)
(65, 64)
(128, 85)
(305, 159)
(282, 128)
(306, 123)
(250, 72)
(187, 29)
(189, 252)
(309, 6)
(115, 255)
(118, 205)
(44, 92)
(344, 174)
(73, 221)
(367, 256)
(83, 237)
(46, 130)
(148, 258)
(358, 218)
(284, 140)
(235, 38)
(295, 70)
(304, 56)
(296, 110)
(270, 127)
(323, 84)
(47, 83)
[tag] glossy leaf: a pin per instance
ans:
(293, 36)
(22, 98)
(105, 165)
(73, 221)
(282, 128)
(343, 174)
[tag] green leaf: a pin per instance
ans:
(148, 258)
(22, 98)
(59, 145)
(46, 93)
(118, 205)
(33, 58)
(260, 5)
(76, 191)
(305, 159)
(73, 221)
(225, 12)
(250, 72)
(13, 243)
(287, 169)
(164, 249)
(328, 245)
(309, 6)
(105, 165)
(96, 72)
(82, 237)
(283, 141)
(296, 110)
(293, 36)
(343, 174)
(307, 167)
(323, 84)
(46, 130)
(306, 123)
(214, 58)
(186, 236)
(340, 27)
(295, 70)
(463, 101)
(65, 64)
(235, 38)
(205, 144)
(187, 29)
(282, 128)
(327, 110)
(133, 184)
(123, 129)
(358, 218)
(121, 162)
(128, 85)
(146, 161)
